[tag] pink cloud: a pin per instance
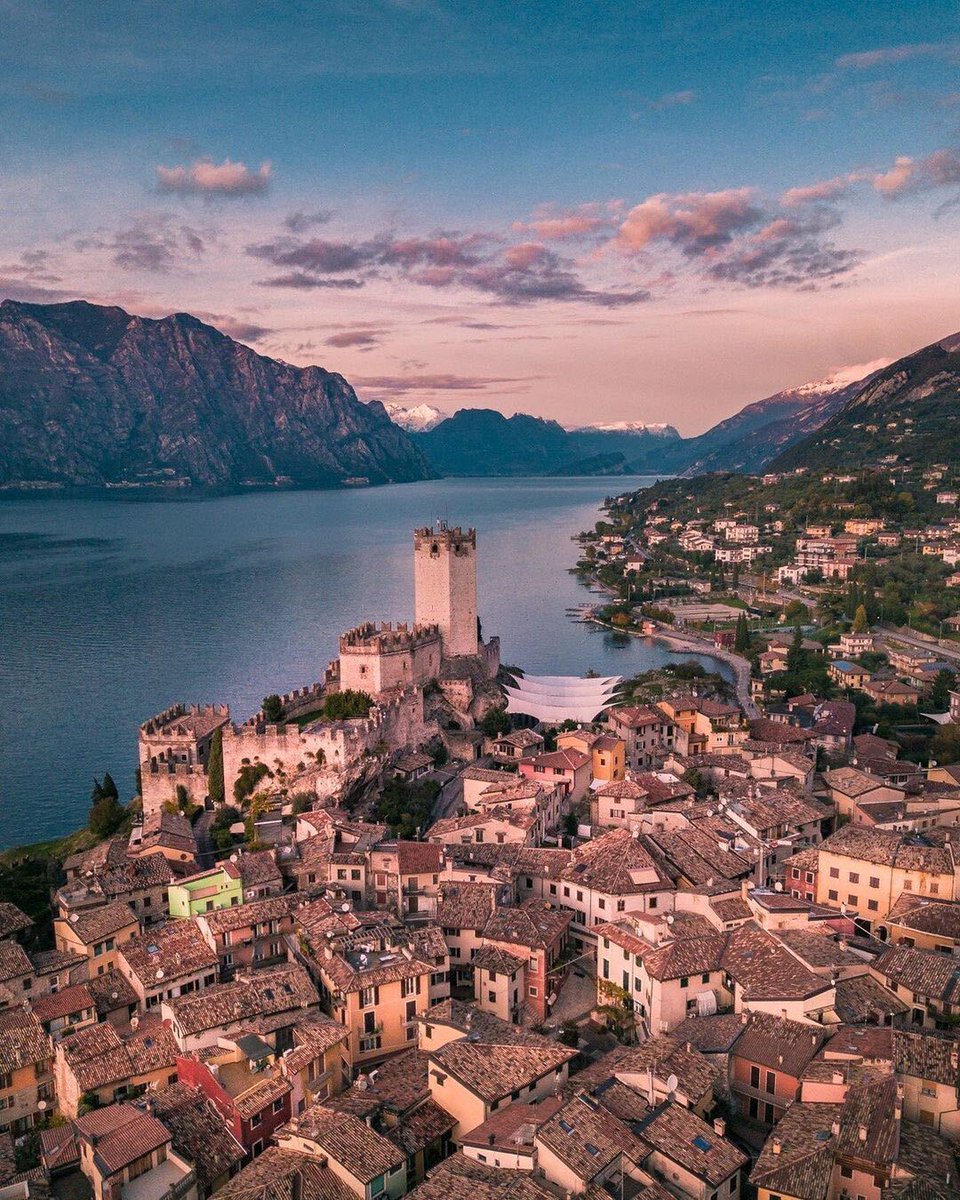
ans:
(694, 221)
(826, 189)
(525, 255)
(207, 178)
(864, 60)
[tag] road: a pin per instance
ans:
(945, 651)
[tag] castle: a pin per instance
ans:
(393, 663)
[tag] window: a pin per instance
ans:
(874, 881)
(534, 963)
(852, 900)
(854, 876)
(846, 1172)
(534, 991)
(653, 903)
(832, 895)
(705, 978)
(771, 1081)
(256, 1119)
(278, 1106)
(755, 1077)
(492, 997)
(873, 905)
(834, 872)
(684, 982)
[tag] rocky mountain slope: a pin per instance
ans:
(755, 435)
(908, 413)
(93, 396)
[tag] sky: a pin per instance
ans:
(595, 211)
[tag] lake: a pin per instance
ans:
(114, 609)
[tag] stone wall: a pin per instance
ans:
(376, 658)
(159, 780)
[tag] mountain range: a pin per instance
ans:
(91, 396)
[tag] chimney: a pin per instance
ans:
(836, 1077)
(491, 1138)
(835, 1128)
(296, 1186)
(776, 1145)
(862, 1133)
(719, 1126)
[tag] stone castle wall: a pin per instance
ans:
(394, 722)
(159, 780)
(377, 658)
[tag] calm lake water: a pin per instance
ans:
(111, 610)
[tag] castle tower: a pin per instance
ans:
(445, 585)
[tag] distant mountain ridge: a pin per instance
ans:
(92, 396)
(906, 414)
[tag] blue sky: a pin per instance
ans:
(668, 209)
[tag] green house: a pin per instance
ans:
(220, 887)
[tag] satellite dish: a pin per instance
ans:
(114, 995)
(670, 918)
(778, 886)
(672, 1083)
(74, 918)
(233, 858)
(159, 972)
(345, 907)
(42, 1105)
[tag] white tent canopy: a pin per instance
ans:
(558, 698)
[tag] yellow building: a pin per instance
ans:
(97, 933)
(608, 753)
(867, 870)
(25, 1078)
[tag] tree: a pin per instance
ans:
(945, 744)
(742, 636)
(272, 709)
(495, 722)
(943, 684)
(107, 814)
(860, 622)
(215, 784)
(347, 706)
(108, 787)
(795, 653)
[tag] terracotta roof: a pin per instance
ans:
(818, 948)
(14, 963)
(764, 969)
(262, 993)
(119, 1135)
(685, 957)
(348, 1141)
(617, 864)
(872, 1043)
(416, 1130)
(465, 905)
(682, 1137)
(22, 1040)
(58, 1148)
(98, 1056)
(494, 1071)
(64, 1003)
(926, 1056)
(243, 916)
(12, 919)
(111, 991)
(284, 1175)
(588, 1139)
(485, 1027)
(778, 1043)
(666, 1055)
(462, 1178)
(314, 1034)
(419, 858)
(926, 1167)
(514, 1126)
(535, 923)
(177, 949)
(400, 1083)
(938, 917)
(711, 1035)
(798, 1158)
(862, 998)
(199, 1134)
(637, 716)
(926, 972)
(259, 869)
(561, 760)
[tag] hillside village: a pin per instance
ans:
(387, 938)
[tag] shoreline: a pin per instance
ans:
(741, 666)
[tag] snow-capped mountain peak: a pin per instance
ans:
(653, 429)
(418, 419)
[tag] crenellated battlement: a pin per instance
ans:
(387, 638)
(295, 703)
(169, 767)
(448, 537)
(185, 720)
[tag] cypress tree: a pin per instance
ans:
(215, 786)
